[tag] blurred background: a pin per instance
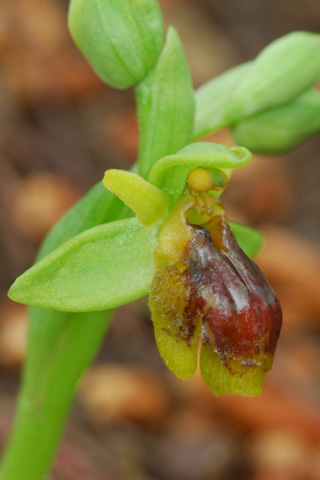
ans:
(60, 128)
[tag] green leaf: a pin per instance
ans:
(149, 203)
(249, 239)
(283, 70)
(170, 173)
(213, 100)
(165, 103)
(283, 128)
(102, 268)
(121, 39)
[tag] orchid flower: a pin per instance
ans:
(180, 248)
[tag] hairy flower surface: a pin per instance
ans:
(205, 286)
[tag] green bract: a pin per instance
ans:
(166, 106)
(283, 128)
(277, 78)
(213, 100)
(122, 39)
(283, 70)
(111, 264)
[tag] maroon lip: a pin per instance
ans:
(241, 315)
(204, 285)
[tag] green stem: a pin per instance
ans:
(50, 380)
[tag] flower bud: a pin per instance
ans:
(121, 39)
(283, 128)
(284, 69)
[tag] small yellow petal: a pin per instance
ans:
(149, 203)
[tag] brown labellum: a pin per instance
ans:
(205, 285)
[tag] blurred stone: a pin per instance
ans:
(262, 190)
(277, 407)
(38, 201)
(297, 364)
(39, 61)
(292, 265)
(13, 334)
(196, 448)
(167, 4)
(208, 49)
(72, 463)
(113, 394)
(281, 454)
(314, 466)
(120, 130)
(251, 24)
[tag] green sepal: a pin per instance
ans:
(149, 203)
(283, 70)
(170, 173)
(121, 39)
(213, 100)
(249, 239)
(102, 268)
(281, 129)
(165, 106)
